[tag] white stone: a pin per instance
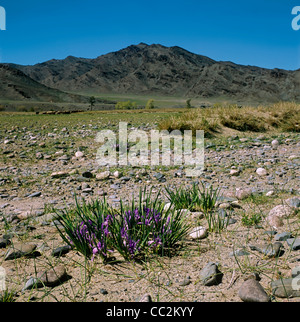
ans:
(103, 175)
(282, 211)
(198, 233)
(243, 193)
(167, 206)
(270, 193)
(59, 174)
(117, 174)
(277, 214)
(234, 172)
(261, 172)
(275, 144)
(293, 157)
(79, 154)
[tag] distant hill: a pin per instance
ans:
(159, 70)
(15, 85)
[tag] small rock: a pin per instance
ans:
(167, 206)
(283, 236)
(185, 282)
(210, 275)
(198, 233)
(46, 218)
(79, 154)
(53, 277)
(4, 242)
(296, 272)
(125, 179)
(146, 298)
(59, 174)
(261, 172)
(294, 243)
(275, 144)
(239, 252)
(293, 202)
(87, 190)
(252, 291)
(117, 174)
(160, 177)
(35, 194)
(20, 250)
(278, 213)
(103, 175)
(225, 205)
(243, 193)
(39, 155)
(286, 288)
(293, 157)
(270, 193)
(25, 215)
(87, 174)
(234, 172)
(103, 291)
(64, 158)
(270, 250)
(59, 251)
(32, 283)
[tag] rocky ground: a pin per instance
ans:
(250, 260)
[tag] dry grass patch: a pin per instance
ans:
(196, 119)
(242, 119)
(284, 117)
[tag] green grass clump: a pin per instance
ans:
(7, 296)
(196, 198)
(249, 220)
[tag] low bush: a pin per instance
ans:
(126, 105)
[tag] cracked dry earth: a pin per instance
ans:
(48, 172)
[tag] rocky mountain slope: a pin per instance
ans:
(15, 85)
(156, 69)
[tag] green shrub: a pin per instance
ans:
(150, 104)
(126, 105)
(21, 109)
(188, 103)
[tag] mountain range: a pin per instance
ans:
(149, 70)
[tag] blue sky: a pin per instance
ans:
(256, 32)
